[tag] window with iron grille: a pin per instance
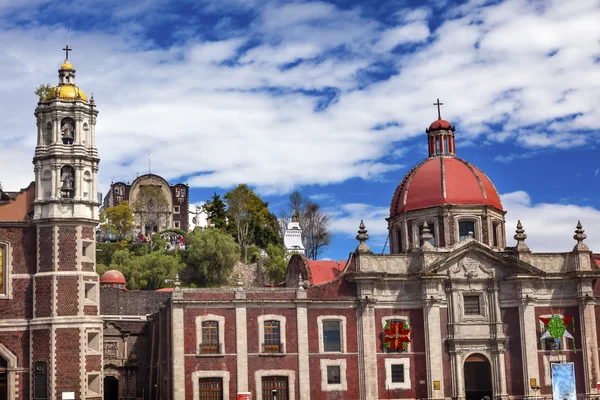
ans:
(397, 373)
(275, 388)
(332, 336)
(471, 304)
(333, 374)
(211, 388)
(272, 341)
(210, 337)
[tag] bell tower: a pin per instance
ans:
(66, 349)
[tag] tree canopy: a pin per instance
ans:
(118, 219)
(147, 271)
(210, 256)
(216, 212)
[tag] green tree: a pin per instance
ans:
(148, 271)
(216, 212)
(210, 255)
(118, 219)
(250, 220)
(276, 263)
(43, 90)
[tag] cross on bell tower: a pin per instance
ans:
(438, 104)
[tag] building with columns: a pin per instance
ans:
(450, 313)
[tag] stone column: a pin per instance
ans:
(369, 351)
(241, 345)
(433, 344)
(177, 344)
(53, 184)
(528, 345)
(78, 183)
(303, 360)
(589, 345)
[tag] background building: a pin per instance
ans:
(175, 213)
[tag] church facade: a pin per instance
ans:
(451, 313)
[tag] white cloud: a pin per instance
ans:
(550, 227)
(222, 123)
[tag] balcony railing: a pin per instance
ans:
(272, 348)
(209, 348)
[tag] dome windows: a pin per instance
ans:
(466, 230)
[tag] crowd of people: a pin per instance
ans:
(173, 240)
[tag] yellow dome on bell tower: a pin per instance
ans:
(66, 89)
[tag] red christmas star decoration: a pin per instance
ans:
(395, 336)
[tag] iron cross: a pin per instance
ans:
(67, 50)
(438, 104)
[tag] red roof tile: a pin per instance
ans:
(323, 271)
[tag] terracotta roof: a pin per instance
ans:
(597, 259)
(444, 180)
(113, 276)
(323, 271)
(167, 289)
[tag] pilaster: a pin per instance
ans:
(303, 360)
(528, 345)
(241, 329)
(433, 344)
(589, 346)
(177, 345)
(369, 350)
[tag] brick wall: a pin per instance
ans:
(115, 301)
(189, 321)
(21, 304)
(67, 353)
(43, 296)
(22, 240)
(513, 355)
(67, 248)
(45, 241)
(87, 233)
(67, 295)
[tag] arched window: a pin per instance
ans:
(445, 144)
(437, 145)
(47, 183)
(67, 181)
(86, 133)
(48, 134)
(399, 240)
(466, 229)
(67, 129)
(87, 185)
(495, 227)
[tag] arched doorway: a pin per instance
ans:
(478, 377)
(111, 388)
(3, 379)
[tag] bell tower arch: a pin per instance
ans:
(66, 326)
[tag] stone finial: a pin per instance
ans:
(92, 99)
(177, 282)
(240, 281)
(362, 237)
(300, 281)
(580, 237)
(520, 237)
(425, 237)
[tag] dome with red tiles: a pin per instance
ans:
(440, 124)
(113, 277)
(444, 180)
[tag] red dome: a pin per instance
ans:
(444, 180)
(114, 277)
(440, 124)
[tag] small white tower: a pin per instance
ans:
(293, 236)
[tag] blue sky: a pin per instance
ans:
(330, 98)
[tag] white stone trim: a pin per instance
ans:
(388, 373)
(291, 375)
(209, 374)
(6, 267)
(221, 329)
(11, 377)
(483, 306)
(333, 387)
(342, 320)
(261, 329)
(405, 318)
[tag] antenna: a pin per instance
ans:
(149, 164)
